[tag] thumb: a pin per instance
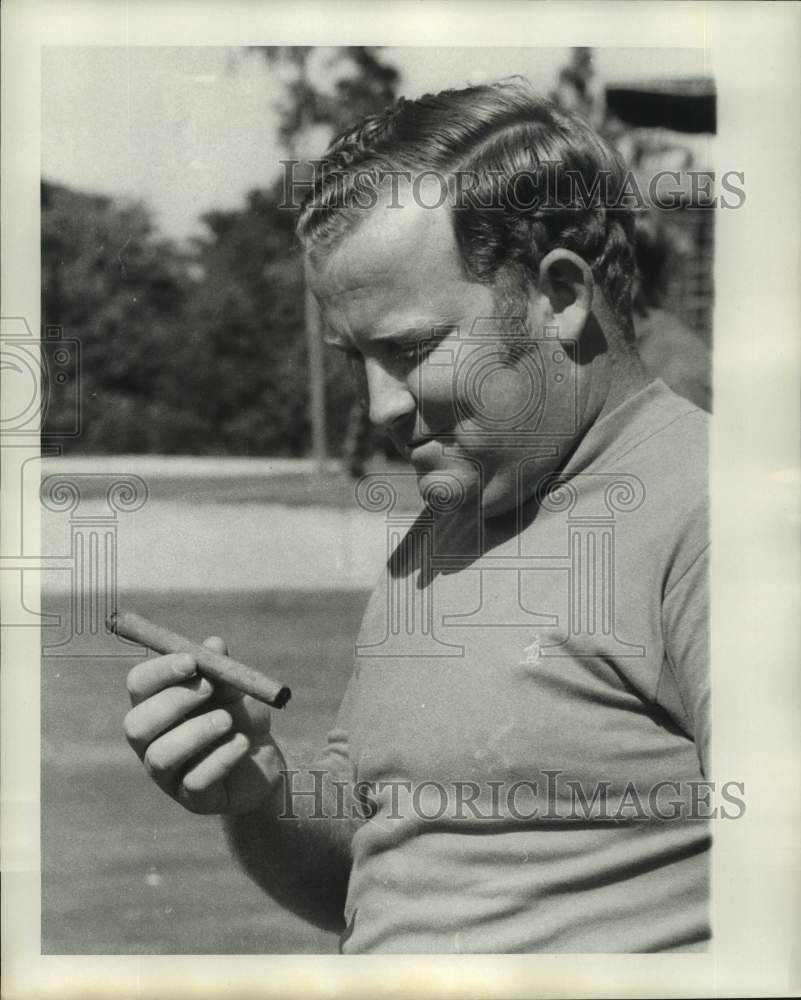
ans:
(215, 643)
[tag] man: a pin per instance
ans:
(667, 348)
(517, 761)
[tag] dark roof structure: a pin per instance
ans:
(683, 105)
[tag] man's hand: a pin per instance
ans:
(206, 745)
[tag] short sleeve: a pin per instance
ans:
(684, 684)
(336, 755)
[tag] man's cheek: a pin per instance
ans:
(458, 386)
(496, 394)
(436, 392)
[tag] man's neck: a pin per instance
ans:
(628, 377)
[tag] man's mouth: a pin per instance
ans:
(417, 443)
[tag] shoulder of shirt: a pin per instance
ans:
(668, 434)
(667, 447)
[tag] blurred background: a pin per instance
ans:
(165, 252)
(197, 369)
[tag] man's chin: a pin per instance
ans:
(463, 486)
(446, 489)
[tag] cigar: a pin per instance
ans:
(215, 666)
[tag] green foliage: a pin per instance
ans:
(110, 283)
(362, 85)
(249, 353)
(198, 350)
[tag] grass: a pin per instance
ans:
(297, 489)
(124, 869)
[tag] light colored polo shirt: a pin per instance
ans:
(531, 724)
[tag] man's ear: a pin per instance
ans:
(566, 281)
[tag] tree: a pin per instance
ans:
(200, 350)
(359, 84)
(111, 283)
(247, 356)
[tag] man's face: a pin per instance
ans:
(439, 375)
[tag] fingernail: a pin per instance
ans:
(185, 666)
(199, 686)
(221, 721)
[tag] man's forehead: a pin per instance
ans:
(403, 246)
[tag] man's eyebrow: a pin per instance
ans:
(419, 330)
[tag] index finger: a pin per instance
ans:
(224, 693)
(151, 676)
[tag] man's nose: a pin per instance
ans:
(390, 398)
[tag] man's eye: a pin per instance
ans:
(417, 351)
(350, 353)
